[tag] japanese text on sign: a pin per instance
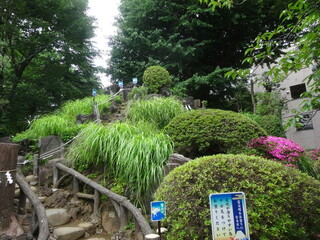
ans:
(229, 216)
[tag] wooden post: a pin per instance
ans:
(75, 189)
(8, 164)
(36, 163)
(96, 203)
(55, 173)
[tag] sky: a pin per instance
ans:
(105, 12)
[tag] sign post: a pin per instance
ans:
(229, 219)
(158, 213)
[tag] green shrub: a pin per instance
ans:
(282, 202)
(158, 111)
(132, 155)
(211, 131)
(156, 77)
(272, 124)
(138, 93)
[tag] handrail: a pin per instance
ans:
(121, 200)
(38, 207)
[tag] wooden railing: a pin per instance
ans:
(39, 217)
(121, 204)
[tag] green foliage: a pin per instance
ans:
(270, 123)
(71, 109)
(157, 111)
(270, 103)
(63, 122)
(282, 202)
(45, 58)
(300, 29)
(186, 37)
(127, 153)
(155, 78)
(138, 93)
(210, 131)
(216, 88)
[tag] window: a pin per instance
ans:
(297, 90)
(306, 122)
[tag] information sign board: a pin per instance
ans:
(158, 210)
(120, 84)
(94, 92)
(229, 219)
(134, 80)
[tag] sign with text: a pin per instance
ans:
(94, 92)
(229, 219)
(158, 211)
(134, 80)
(120, 84)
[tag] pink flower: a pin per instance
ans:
(279, 149)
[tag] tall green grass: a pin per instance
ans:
(128, 153)
(158, 111)
(63, 122)
(71, 109)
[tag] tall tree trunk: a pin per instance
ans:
(8, 164)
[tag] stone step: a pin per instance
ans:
(68, 233)
(57, 216)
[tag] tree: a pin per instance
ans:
(45, 58)
(185, 37)
(300, 30)
(218, 90)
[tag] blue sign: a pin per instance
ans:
(134, 80)
(120, 84)
(229, 216)
(158, 210)
(94, 92)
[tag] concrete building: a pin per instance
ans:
(291, 88)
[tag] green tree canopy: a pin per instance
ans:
(186, 37)
(45, 58)
(300, 30)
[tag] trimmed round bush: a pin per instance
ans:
(282, 202)
(156, 77)
(210, 131)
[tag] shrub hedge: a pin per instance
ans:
(155, 78)
(210, 131)
(282, 202)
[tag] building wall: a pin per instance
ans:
(307, 138)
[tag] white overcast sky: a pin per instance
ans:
(105, 12)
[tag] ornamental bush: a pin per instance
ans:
(279, 149)
(210, 131)
(156, 77)
(282, 202)
(272, 124)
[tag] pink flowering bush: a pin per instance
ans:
(279, 149)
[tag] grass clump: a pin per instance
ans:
(126, 152)
(282, 202)
(62, 123)
(158, 111)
